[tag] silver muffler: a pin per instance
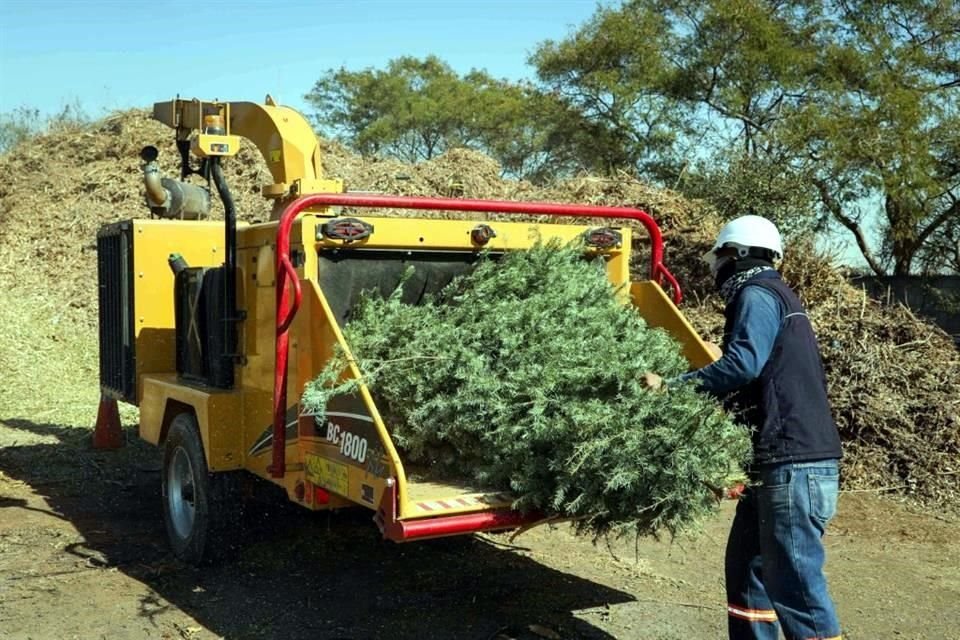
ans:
(169, 198)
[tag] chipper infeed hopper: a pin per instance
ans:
(349, 453)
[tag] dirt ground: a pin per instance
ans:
(83, 555)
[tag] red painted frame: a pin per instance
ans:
(398, 530)
(285, 269)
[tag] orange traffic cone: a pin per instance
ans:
(108, 434)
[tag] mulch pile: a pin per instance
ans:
(894, 378)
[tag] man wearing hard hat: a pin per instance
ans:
(771, 374)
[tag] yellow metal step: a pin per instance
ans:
(432, 497)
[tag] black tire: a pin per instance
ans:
(201, 510)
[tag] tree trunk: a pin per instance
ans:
(902, 259)
(903, 234)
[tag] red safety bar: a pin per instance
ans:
(285, 269)
(439, 526)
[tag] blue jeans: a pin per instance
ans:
(774, 559)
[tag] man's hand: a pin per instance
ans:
(653, 381)
(734, 492)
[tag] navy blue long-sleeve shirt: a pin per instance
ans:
(756, 324)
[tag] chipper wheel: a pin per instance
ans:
(201, 509)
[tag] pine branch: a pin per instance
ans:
(525, 375)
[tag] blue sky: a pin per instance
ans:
(116, 54)
(106, 55)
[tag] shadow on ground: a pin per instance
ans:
(298, 574)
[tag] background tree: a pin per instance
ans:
(610, 73)
(407, 110)
(808, 111)
(17, 125)
(746, 184)
(417, 109)
(854, 103)
(882, 128)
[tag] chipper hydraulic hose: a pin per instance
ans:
(285, 269)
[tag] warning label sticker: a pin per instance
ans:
(327, 474)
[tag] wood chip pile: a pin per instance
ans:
(894, 378)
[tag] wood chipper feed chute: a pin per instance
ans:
(659, 311)
(349, 451)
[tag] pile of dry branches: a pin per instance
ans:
(894, 378)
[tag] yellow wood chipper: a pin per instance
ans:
(213, 328)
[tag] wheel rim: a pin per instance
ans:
(181, 493)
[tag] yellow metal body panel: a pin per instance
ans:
(205, 145)
(201, 245)
(454, 235)
(659, 311)
(316, 332)
(219, 415)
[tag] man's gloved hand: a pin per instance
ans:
(734, 492)
(653, 381)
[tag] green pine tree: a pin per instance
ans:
(526, 373)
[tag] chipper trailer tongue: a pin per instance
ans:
(213, 328)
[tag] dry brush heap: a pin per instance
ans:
(894, 379)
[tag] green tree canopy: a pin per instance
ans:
(611, 73)
(882, 126)
(416, 109)
(807, 111)
(853, 103)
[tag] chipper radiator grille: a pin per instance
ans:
(115, 276)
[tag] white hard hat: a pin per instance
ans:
(746, 232)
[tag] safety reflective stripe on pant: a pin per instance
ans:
(753, 615)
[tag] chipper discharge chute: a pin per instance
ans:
(213, 329)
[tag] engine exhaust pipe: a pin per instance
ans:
(171, 198)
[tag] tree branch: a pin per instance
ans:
(836, 209)
(946, 214)
(730, 114)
